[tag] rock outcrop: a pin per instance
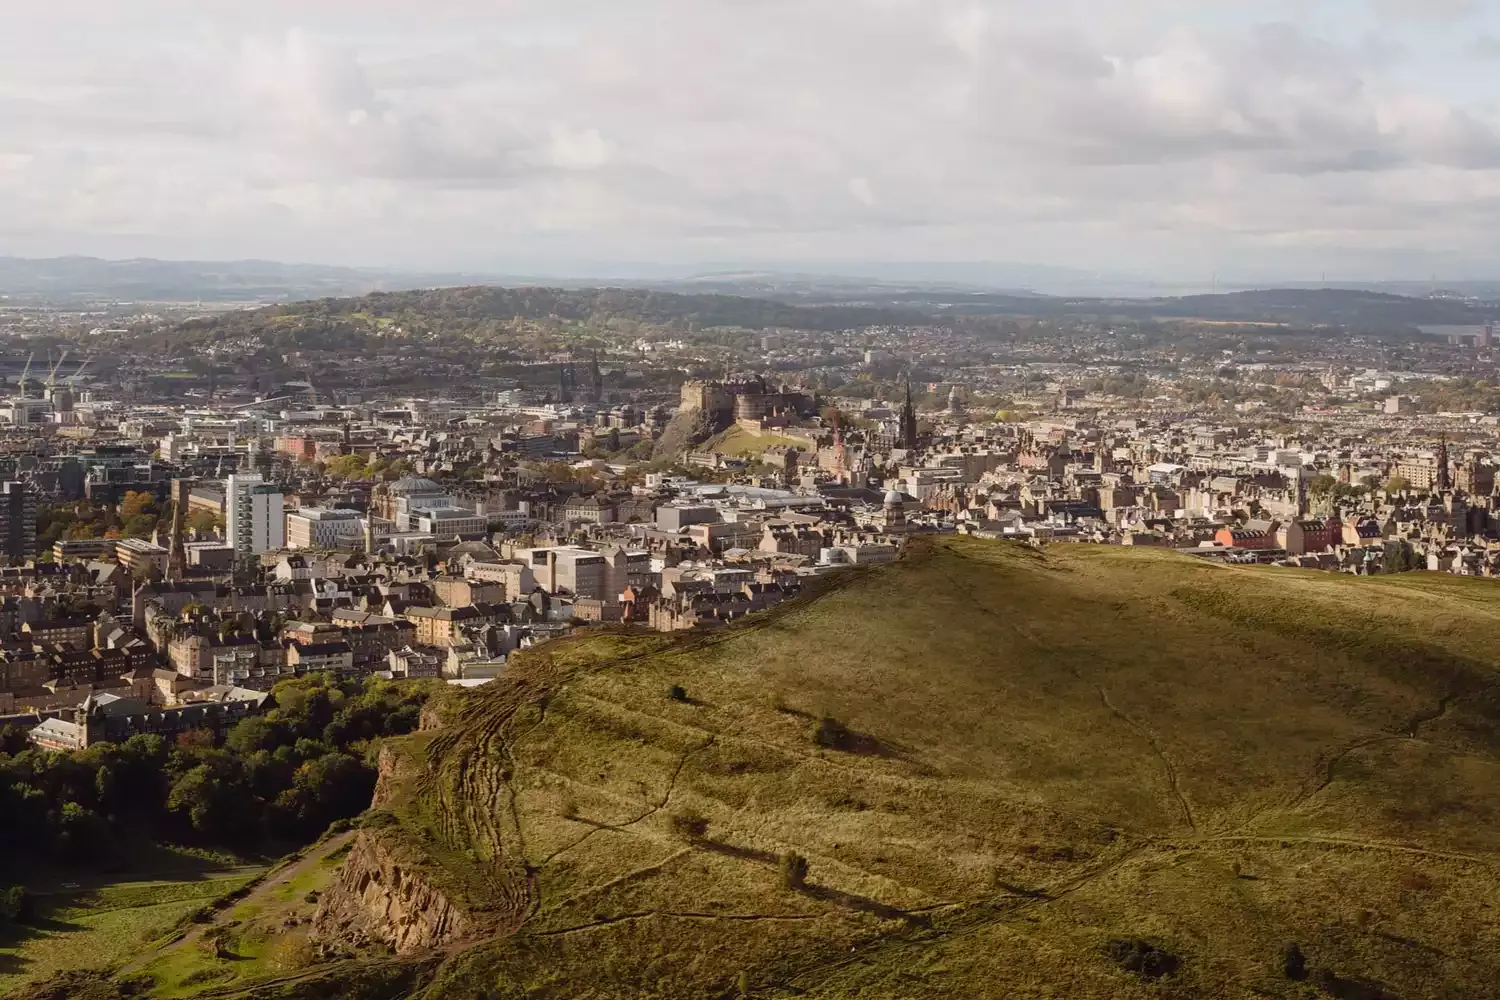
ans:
(377, 900)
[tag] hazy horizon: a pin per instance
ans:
(1161, 140)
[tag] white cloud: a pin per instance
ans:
(1152, 133)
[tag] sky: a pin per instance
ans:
(1175, 140)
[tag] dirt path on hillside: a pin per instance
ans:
(313, 856)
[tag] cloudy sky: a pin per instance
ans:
(1167, 138)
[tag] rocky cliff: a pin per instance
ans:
(378, 900)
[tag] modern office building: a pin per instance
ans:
(254, 518)
(321, 528)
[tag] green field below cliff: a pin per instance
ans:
(996, 762)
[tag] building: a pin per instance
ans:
(440, 626)
(113, 719)
(568, 569)
(84, 550)
(319, 528)
(449, 521)
(410, 663)
(17, 521)
(254, 521)
(140, 557)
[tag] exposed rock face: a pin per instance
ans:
(378, 901)
(689, 428)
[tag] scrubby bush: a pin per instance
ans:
(16, 906)
(1143, 958)
(830, 733)
(793, 870)
(1294, 963)
(689, 824)
(677, 693)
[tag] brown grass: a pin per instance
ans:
(1080, 747)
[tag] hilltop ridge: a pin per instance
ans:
(1083, 772)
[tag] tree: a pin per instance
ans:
(138, 514)
(205, 522)
(1397, 484)
(82, 834)
(256, 733)
(13, 740)
(348, 467)
(212, 798)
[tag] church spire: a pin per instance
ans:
(908, 436)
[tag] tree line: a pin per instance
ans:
(281, 777)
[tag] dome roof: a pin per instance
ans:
(415, 484)
(894, 498)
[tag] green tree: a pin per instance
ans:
(348, 467)
(205, 522)
(138, 514)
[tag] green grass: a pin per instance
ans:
(740, 443)
(102, 928)
(264, 936)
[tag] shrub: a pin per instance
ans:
(689, 824)
(16, 905)
(677, 693)
(831, 733)
(1294, 963)
(377, 819)
(793, 870)
(292, 952)
(1142, 958)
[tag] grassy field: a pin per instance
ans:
(263, 936)
(1080, 774)
(740, 443)
(104, 927)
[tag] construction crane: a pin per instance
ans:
(52, 375)
(26, 372)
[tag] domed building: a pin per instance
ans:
(395, 500)
(893, 511)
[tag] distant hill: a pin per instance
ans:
(347, 322)
(986, 771)
(1325, 306)
(478, 310)
(65, 280)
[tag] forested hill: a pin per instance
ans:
(490, 311)
(334, 322)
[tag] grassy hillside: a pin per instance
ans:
(1040, 767)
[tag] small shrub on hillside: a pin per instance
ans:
(377, 819)
(1142, 958)
(292, 952)
(677, 693)
(793, 870)
(16, 905)
(1294, 963)
(831, 733)
(689, 824)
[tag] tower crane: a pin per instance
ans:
(52, 375)
(26, 372)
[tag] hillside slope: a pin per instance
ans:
(1043, 766)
